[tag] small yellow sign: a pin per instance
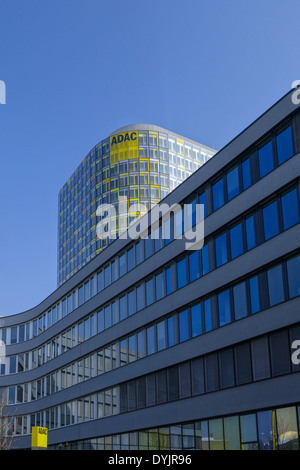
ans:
(39, 437)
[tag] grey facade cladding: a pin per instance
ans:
(276, 391)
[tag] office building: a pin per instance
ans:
(153, 346)
(133, 169)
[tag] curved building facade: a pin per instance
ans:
(133, 169)
(153, 346)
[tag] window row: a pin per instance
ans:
(265, 289)
(275, 217)
(263, 357)
(272, 429)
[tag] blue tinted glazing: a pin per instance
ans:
(196, 320)
(194, 267)
(284, 142)
(275, 282)
(250, 233)
(207, 315)
(290, 210)
(221, 250)
(246, 173)
(218, 194)
(168, 281)
(233, 184)
(293, 272)
(270, 216)
(203, 206)
(205, 259)
(183, 326)
(265, 159)
(236, 241)
(181, 273)
(254, 294)
(224, 308)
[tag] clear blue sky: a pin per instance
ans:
(76, 70)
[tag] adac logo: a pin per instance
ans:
(126, 137)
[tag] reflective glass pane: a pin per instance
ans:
(183, 326)
(216, 438)
(266, 430)
(233, 184)
(224, 308)
(246, 173)
(270, 216)
(265, 159)
(221, 250)
(290, 210)
(196, 319)
(240, 300)
(181, 273)
(218, 194)
(236, 241)
(232, 433)
(275, 283)
(284, 142)
(287, 428)
(293, 272)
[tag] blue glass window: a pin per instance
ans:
(13, 335)
(122, 265)
(139, 298)
(254, 294)
(148, 246)
(86, 291)
(233, 183)
(161, 336)
(293, 270)
(159, 285)
(194, 267)
(236, 241)
(196, 319)
(166, 231)
(218, 194)
(224, 308)
(179, 223)
(275, 281)
(168, 281)
(130, 259)
(131, 302)
(240, 300)
(207, 315)
(250, 233)
(171, 331)
(290, 211)
(107, 317)
(246, 172)
(284, 142)
(100, 321)
(107, 276)
(181, 273)
(270, 216)
(123, 307)
(265, 430)
(149, 292)
(151, 340)
(137, 253)
(99, 282)
(203, 206)
(221, 250)
(183, 326)
(265, 159)
(205, 259)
